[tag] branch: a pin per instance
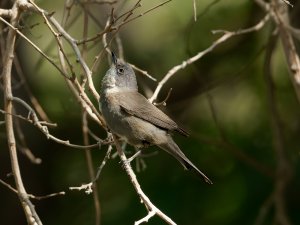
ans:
(223, 38)
(126, 20)
(164, 102)
(32, 98)
(30, 195)
(151, 208)
(264, 209)
(195, 10)
(281, 17)
(283, 167)
(143, 72)
(28, 208)
(100, 2)
(34, 46)
(279, 12)
(73, 43)
(91, 171)
(88, 187)
(44, 129)
(23, 147)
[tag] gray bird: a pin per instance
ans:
(132, 117)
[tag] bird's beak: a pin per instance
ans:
(114, 58)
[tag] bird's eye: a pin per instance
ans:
(120, 70)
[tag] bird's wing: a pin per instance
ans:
(137, 105)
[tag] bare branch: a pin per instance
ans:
(28, 208)
(281, 17)
(100, 2)
(44, 129)
(73, 44)
(30, 195)
(32, 98)
(29, 120)
(164, 102)
(143, 13)
(24, 148)
(35, 47)
(88, 187)
(90, 166)
(151, 208)
(195, 10)
(223, 38)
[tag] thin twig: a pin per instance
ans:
(35, 47)
(281, 18)
(120, 46)
(24, 148)
(32, 98)
(143, 13)
(30, 120)
(31, 195)
(44, 129)
(195, 10)
(144, 72)
(88, 187)
(80, 95)
(73, 44)
(100, 2)
(164, 102)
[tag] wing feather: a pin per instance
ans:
(137, 105)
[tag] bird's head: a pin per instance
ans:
(119, 77)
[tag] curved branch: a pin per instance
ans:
(44, 129)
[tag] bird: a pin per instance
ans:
(129, 115)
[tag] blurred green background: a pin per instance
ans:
(222, 100)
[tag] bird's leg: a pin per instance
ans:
(138, 152)
(128, 161)
(140, 162)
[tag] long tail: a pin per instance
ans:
(172, 148)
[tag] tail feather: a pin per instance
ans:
(172, 148)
